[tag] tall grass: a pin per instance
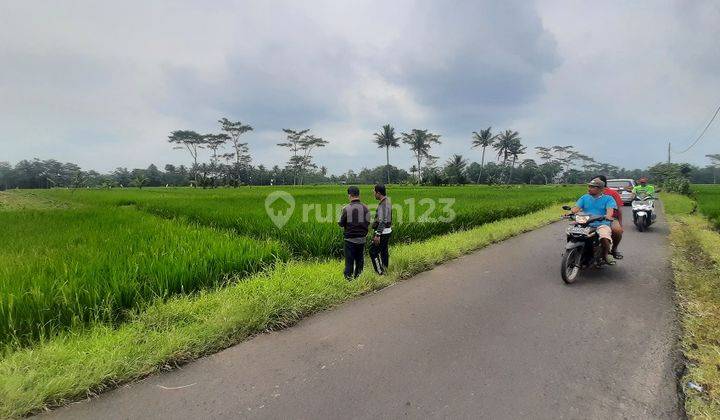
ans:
(708, 198)
(67, 268)
(243, 210)
(109, 253)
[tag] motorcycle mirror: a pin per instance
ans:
(568, 208)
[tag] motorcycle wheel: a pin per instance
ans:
(641, 223)
(570, 267)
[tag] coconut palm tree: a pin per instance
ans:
(482, 139)
(386, 139)
(504, 144)
(455, 169)
(516, 150)
(420, 142)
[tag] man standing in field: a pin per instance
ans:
(617, 229)
(379, 250)
(354, 219)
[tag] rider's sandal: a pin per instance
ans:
(617, 255)
(610, 260)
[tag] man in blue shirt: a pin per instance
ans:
(596, 203)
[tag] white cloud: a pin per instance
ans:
(102, 84)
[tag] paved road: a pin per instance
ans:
(495, 334)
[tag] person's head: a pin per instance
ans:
(353, 193)
(379, 191)
(596, 187)
(643, 181)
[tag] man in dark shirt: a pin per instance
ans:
(355, 219)
(379, 250)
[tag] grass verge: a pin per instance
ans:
(73, 366)
(696, 264)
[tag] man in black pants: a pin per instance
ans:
(379, 252)
(354, 220)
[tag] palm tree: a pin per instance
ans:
(516, 150)
(455, 169)
(386, 139)
(483, 139)
(420, 142)
(504, 143)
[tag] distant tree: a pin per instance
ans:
(420, 142)
(566, 156)
(241, 152)
(294, 144)
(121, 176)
(192, 142)
(506, 143)
(482, 139)
(6, 171)
(154, 176)
(516, 150)
(307, 144)
(386, 139)
(455, 170)
(215, 142)
(714, 163)
(140, 180)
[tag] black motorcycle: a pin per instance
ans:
(583, 248)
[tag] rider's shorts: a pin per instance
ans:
(604, 232)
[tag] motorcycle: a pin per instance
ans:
(643, 209)
(583, 248)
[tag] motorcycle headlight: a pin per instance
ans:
(582, 219)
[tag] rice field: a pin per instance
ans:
(68, 268)
(69, 259)
(420, 213)
(708, 198)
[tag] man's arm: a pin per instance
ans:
(610, 213)
(381, 219)
(343, 218)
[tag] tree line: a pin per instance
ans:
(229, 163)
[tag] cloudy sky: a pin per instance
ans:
(102, 84)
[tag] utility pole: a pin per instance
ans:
(668, 153)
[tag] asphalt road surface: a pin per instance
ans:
(495, 334)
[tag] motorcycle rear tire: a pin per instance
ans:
(570, 267)
(641, 223)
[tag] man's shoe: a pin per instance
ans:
(617, 255)
(610, 260)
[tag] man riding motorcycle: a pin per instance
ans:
(644, 188)
(617, 228)
(596, 203)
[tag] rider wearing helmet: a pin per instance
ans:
(644, 188)
(617, 229)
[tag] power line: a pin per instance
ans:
(701, 134)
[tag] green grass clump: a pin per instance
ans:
(696, 265)
(182, 328)
(61, 269)
(708, 198)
